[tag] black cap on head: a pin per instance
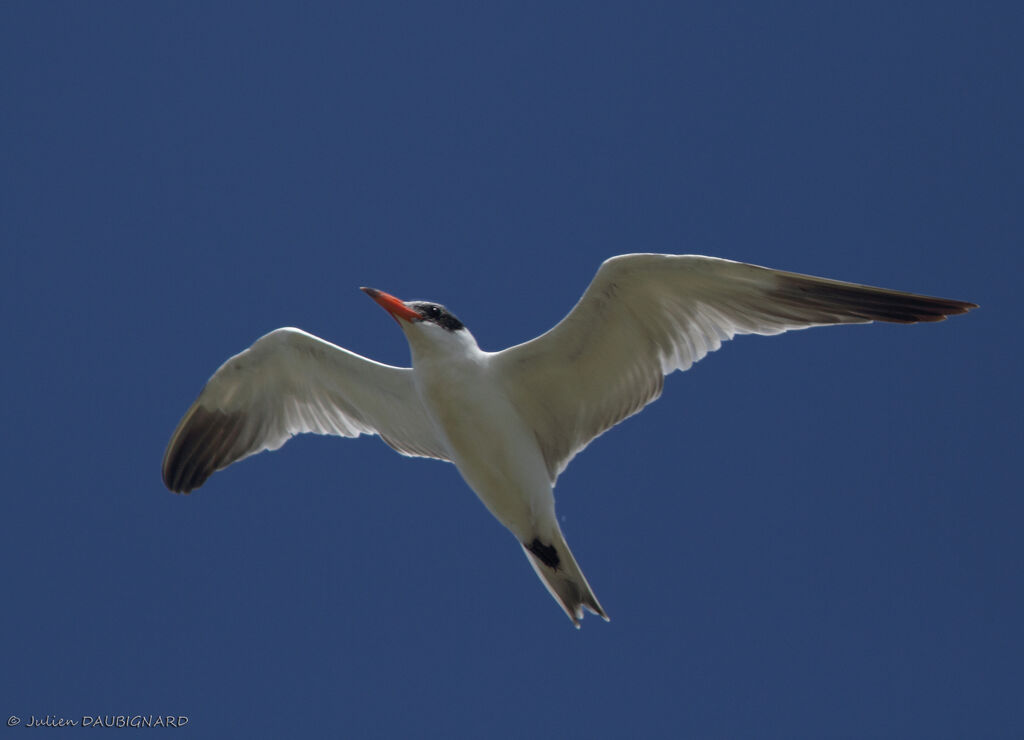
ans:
(435, 313)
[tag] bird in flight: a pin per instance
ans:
(511, 421)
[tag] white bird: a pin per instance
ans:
(511, 421)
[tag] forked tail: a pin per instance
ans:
(557, 568)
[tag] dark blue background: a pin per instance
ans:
(814, 535)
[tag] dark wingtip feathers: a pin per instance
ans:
(204, 442)
(850, 302)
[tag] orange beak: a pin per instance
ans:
(392, 305)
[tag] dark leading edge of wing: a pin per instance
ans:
(831, 301)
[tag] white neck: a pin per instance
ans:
(430, 344)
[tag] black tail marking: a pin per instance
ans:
(546, 554)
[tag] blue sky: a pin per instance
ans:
(813, 535)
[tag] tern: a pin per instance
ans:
(512, 420)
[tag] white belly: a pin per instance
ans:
(493, 449)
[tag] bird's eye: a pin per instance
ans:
(433, 311)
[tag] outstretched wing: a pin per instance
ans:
(287, 383)
(646, 315)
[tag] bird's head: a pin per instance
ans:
(428, 326)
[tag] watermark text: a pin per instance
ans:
(100, 720)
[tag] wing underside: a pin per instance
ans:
(647, 315)
(290, 382)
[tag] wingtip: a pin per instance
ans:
(832, 301)
(205, 441)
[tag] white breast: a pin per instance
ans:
(492, 446)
